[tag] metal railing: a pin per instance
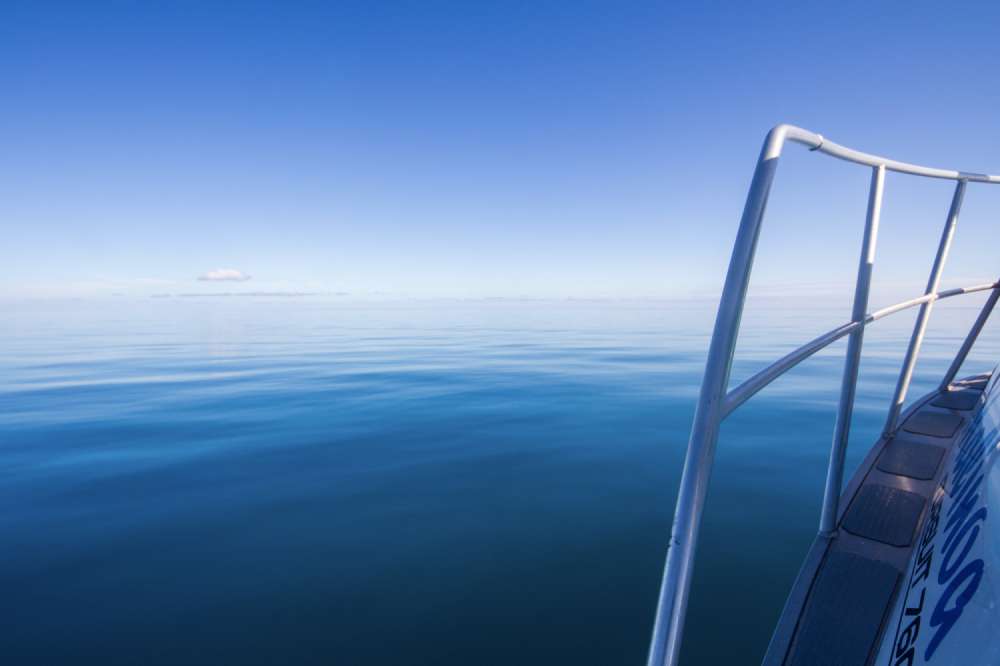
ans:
(716, 402)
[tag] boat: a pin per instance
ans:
(902, 569)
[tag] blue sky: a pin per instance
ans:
(461, 149)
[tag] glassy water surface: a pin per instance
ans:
(265, 481)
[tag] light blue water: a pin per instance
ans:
(258, 481)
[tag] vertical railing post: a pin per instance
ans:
(664, 649)
(848, 385)
(970, 339)
(906, 373)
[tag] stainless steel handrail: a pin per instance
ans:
(816, 142)
(913, 350)
(754, 384)
(716, 402)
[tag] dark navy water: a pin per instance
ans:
(270, 481)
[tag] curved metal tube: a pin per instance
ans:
(818, 143)
(751, 386)
(668, 628)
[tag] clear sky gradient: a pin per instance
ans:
(465, 149)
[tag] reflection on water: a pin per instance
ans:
(305, 481)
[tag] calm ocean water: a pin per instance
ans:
(270, 481)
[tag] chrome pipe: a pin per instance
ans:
(970, 340)
(818, 143)
(665, 645)
(910, 360)
(848, 385)
(927, 298)
(753, 385)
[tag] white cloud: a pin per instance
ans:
(224, 275)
